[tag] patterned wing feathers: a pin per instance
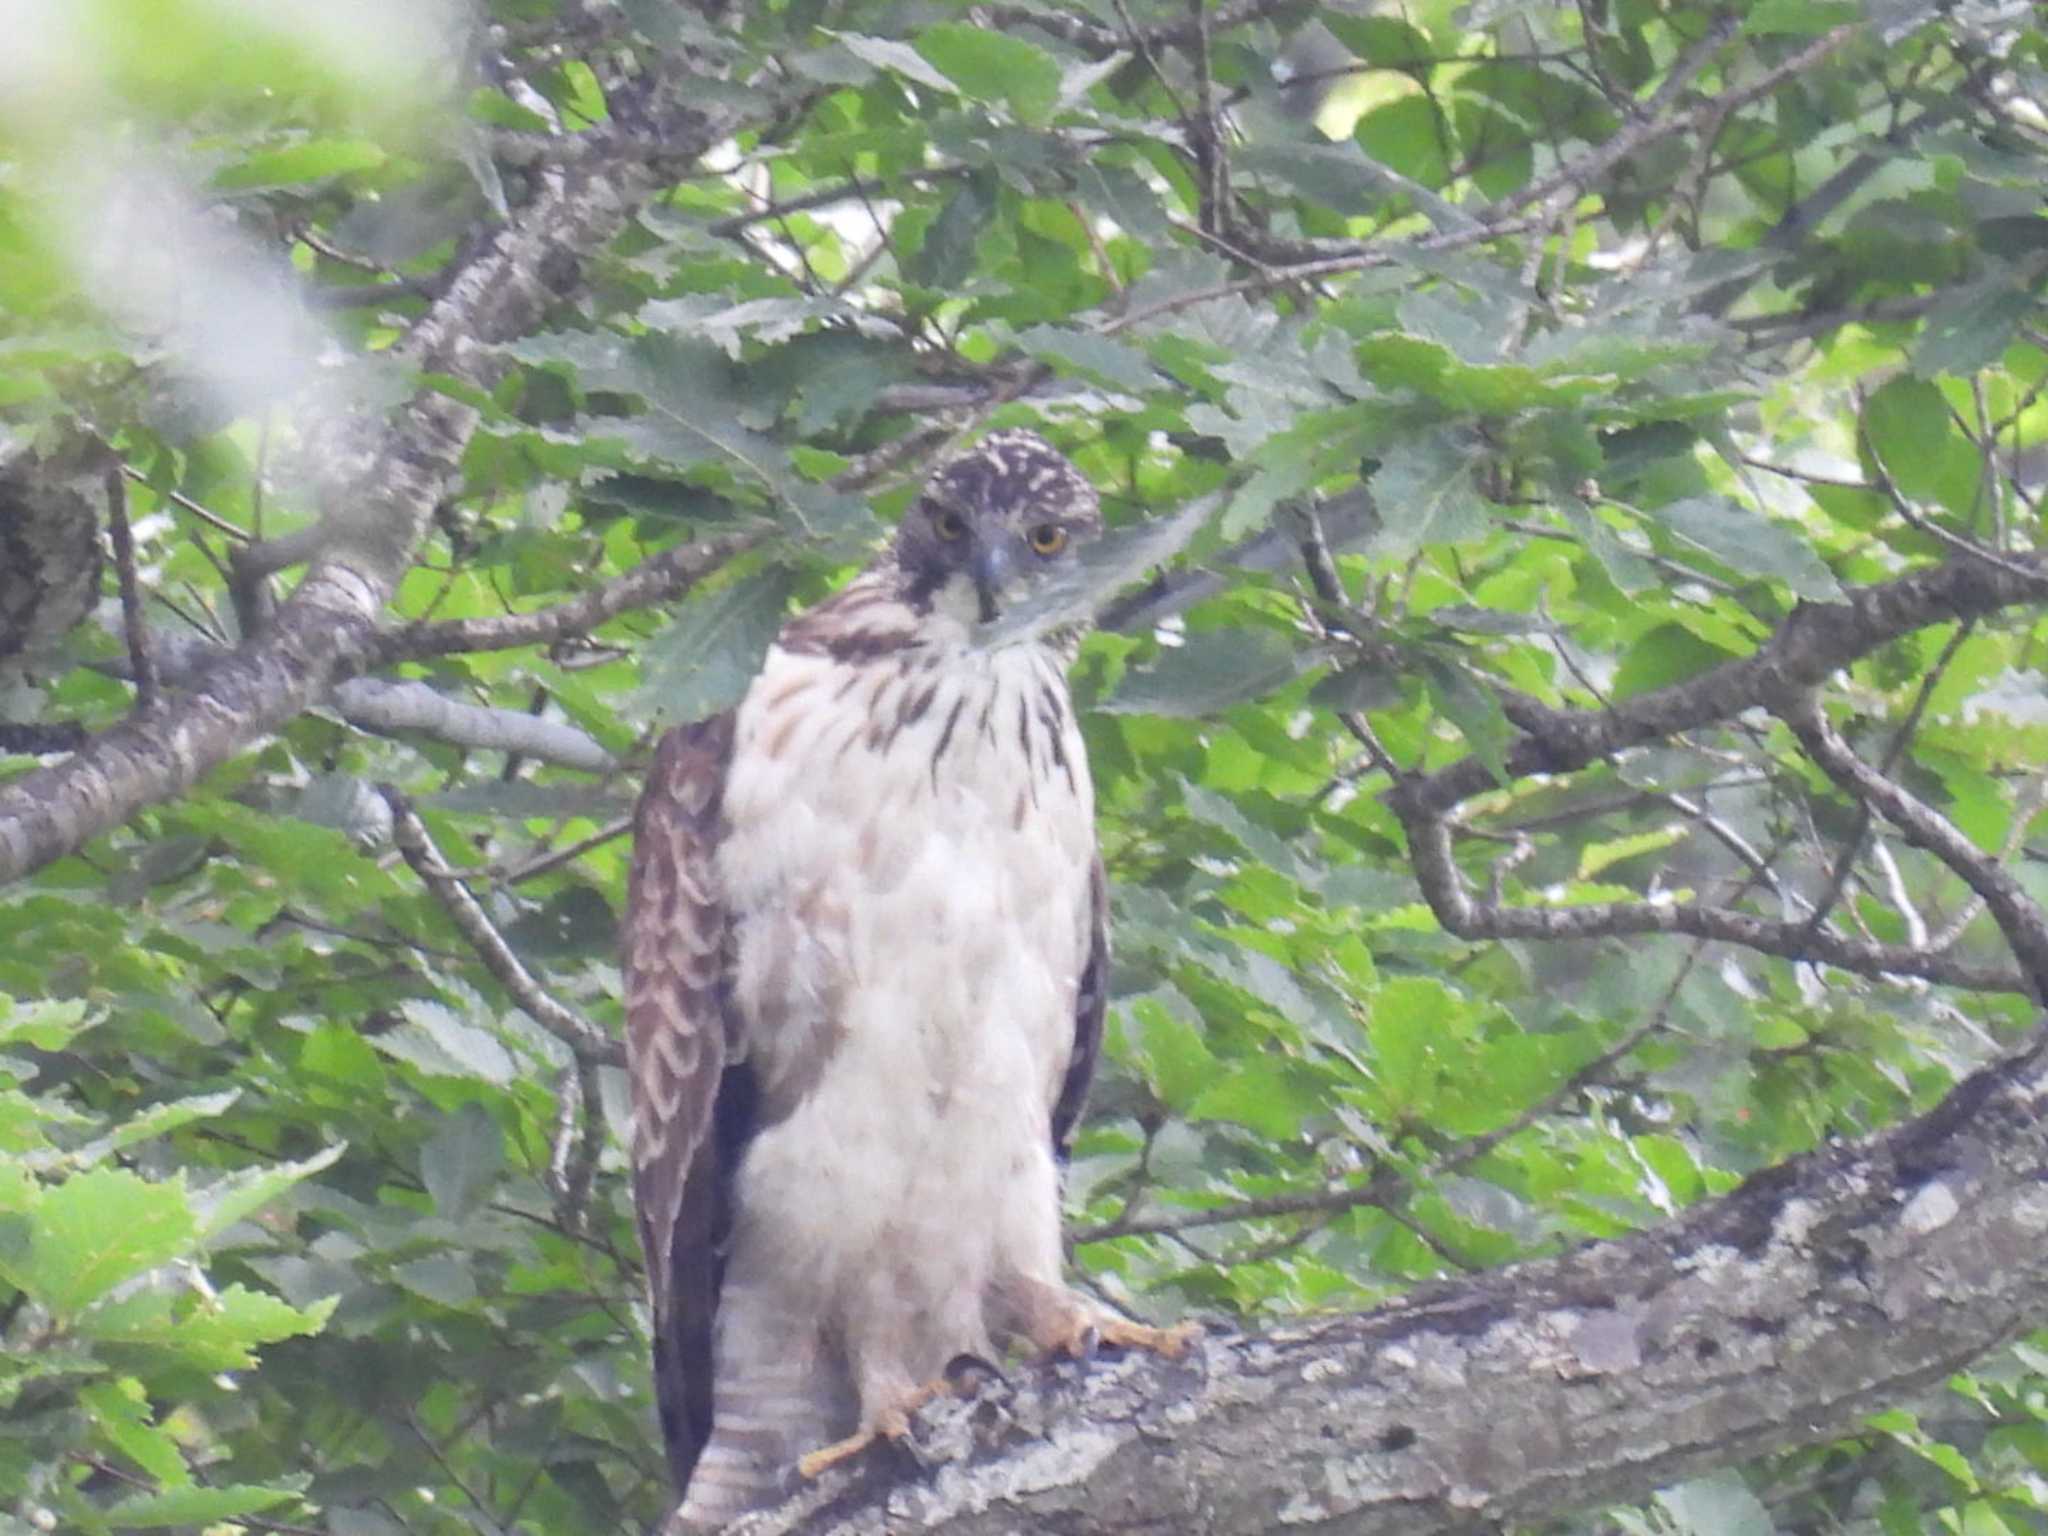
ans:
(1091, 998)
(680, 1039)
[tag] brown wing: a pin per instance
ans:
(692, 1109)
(1090, 998)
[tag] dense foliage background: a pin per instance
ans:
(1584, 740)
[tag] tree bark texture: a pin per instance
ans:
(1775, 1316)
(379, 481)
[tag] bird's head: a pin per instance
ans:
(993, 526)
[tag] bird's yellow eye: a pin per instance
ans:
(1047, 539)
(949, 525)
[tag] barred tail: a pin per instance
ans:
(776, 1395)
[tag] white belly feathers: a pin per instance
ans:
(908, 874)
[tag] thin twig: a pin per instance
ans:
(185, 503)
(2018, 917)
(582, 1037)
(137, 633)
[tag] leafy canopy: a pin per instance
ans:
(1530, 372)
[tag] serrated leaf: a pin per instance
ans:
(898, 58)
(1251, 420)
(1909, 428)
(946, 255)
(694, 412)
(990, 65)
(1098, 356)
(1971, 327)
(157, 1120)
(1209, 672)
(1474, 709)
(1289, 470)
(1221, 812)
(1747, 542)
(695, 400)
(445, 1280)
(1126, 197)
(438, 1043)
(1668, 654)
(460, 1161)
(119, 1411)
(1360, 687)
(210, 1333)
(1425, 491)
(228, 1199)
(92, 1232)
(1410, 1015)
(194, 1506)
(704, 660)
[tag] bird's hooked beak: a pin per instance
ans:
(992, 567)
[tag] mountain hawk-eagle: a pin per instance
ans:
(865, 957)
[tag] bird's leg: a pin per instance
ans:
(891, 1421)
(1122, 1333)
(1059, 1322)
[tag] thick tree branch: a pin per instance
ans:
(1817, 639)
(1777, 1316)
(380, 485)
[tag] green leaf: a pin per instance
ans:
(235, 1195)
(1915, 438)
(947, 254)
(1719, 1504)
(1179, 1063)
(1410, 136)
(1124, 196)
(898, 58)
(160, 1119)
(704, 660)
(1744, 541)
(1260, 1095)
(1971, 327)
(436, 1042)
(990, 65)
(1209, 672)
(1426, 493)
(1288, 470)
(208, 1333)
(460, 1162)
(119, 1411)
(1595, 857)
(43, 1026)
(1668, 654)
(92, 1232)
(444, 1280)
(696, 410)
(194, 1506)
(1800, 18)
(1474, 708)
(1098, 356)
(1410, 1015)
(316, 160)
